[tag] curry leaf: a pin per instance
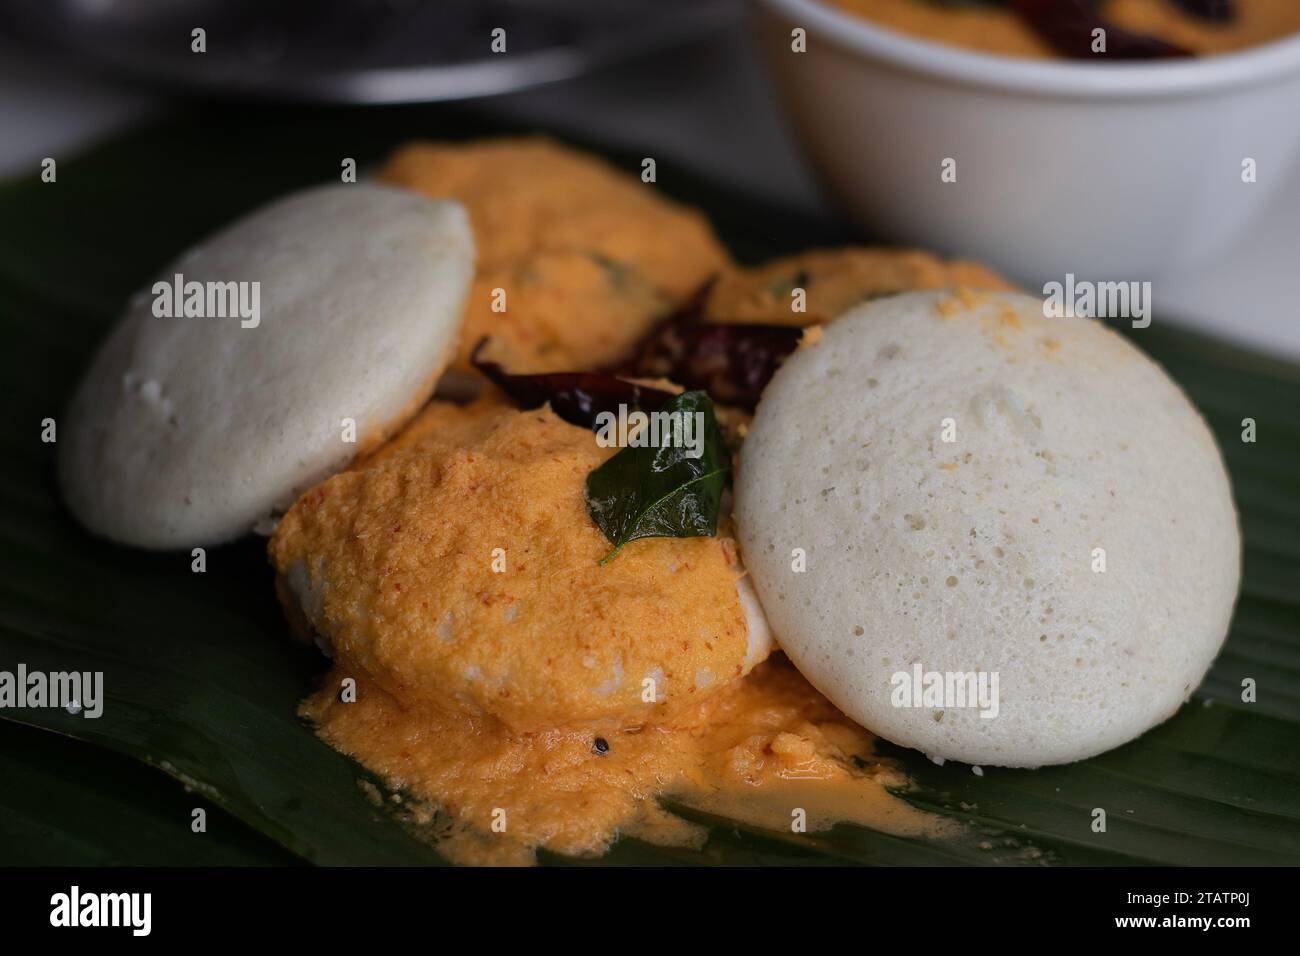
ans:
(671, 489)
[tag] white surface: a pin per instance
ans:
(191, 429)
(710, 106)
(977, 554)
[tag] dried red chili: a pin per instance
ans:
(577, 397)
(733, 362)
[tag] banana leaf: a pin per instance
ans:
(202, 685)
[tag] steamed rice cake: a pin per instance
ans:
(973, 488)
(192, 429)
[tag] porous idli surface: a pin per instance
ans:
(985, 554)
(189, 430)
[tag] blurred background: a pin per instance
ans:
(677, 79)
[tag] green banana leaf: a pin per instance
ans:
(202, 685)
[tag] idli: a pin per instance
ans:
(386, 562)
(986, 534)
(263, 360)
(577, 259)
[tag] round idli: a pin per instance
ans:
(384, 563)
(263, 360)
(986, 534)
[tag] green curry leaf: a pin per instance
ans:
(672, 489)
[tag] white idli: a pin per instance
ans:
(978, 556)
(191, 430)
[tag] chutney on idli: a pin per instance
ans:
(834, 281)
(577, 259)
(957, 485)
(459, 567)
(495, 664)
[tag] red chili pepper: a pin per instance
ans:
(733, 362)
(577, 397)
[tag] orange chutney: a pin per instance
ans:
(514, 693)
(767, 750)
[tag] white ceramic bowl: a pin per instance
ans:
(1108, 170)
